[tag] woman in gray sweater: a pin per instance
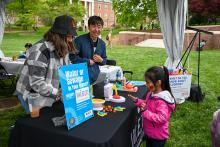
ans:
(38, 84)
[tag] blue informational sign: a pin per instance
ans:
(76, 93)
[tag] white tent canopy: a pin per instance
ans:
(172, 16)
(2, 18)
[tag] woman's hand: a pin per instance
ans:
(91, 62)
(59, 95)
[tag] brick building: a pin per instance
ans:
(102, 8)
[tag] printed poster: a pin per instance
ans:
(76, 93)
(180, 85)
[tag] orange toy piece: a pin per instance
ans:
(129, 86)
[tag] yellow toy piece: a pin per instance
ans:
(115, 89)
(102, 114)
(119, 108)
(98, 101)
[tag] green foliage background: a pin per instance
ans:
(133, 12)
(28, 11)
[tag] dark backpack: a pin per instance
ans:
(196, 94)
(107, 38)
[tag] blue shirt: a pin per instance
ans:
(84, 45)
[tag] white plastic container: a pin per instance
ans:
(108, 92)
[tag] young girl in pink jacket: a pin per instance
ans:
(158, 106)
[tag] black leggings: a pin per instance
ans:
(154, 142)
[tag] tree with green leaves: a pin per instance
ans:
(24, 11)
(52, 8)
(134, 12)
(28, 11)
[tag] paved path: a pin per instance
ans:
(157, 43)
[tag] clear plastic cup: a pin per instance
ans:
(34, 109)
(35, 112)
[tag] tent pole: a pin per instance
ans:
(188, 49)
(199, 58)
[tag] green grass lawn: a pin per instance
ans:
(190, 123)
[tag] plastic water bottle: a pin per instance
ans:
(124, 81)
(118, 76)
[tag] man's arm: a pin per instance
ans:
(78, 46)
(101, 59)
(104, 56)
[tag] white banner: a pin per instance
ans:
(180, 86)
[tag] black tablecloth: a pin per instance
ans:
(113, 130)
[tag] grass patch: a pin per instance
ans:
(190, 123)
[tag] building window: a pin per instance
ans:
(99, 6)
(106, 6)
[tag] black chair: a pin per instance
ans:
(7, 82)
(113, 63)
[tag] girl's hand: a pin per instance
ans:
(143, 106)
(133, 98)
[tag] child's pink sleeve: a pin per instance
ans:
(162, 113)
(140, 101)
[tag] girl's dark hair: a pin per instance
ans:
(61, 45)
(156, 73)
